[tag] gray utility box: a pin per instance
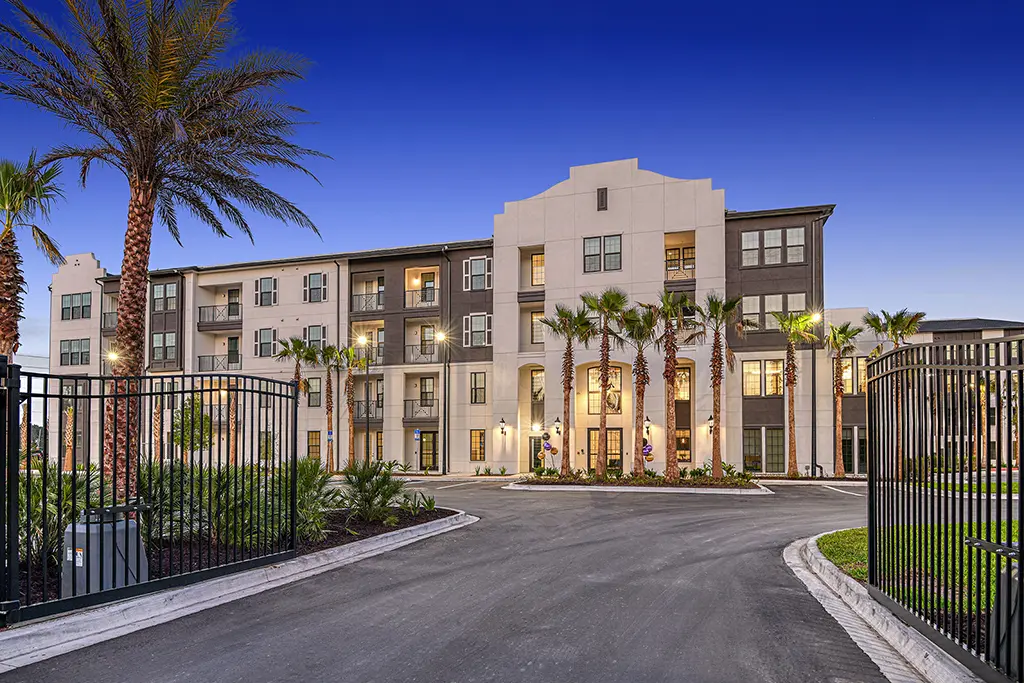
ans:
(1004, 633)
(82, 555)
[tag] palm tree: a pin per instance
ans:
(895, 327)
(841, 340)
(27, 191)
(609, 306)
(711, 319)
(329, 358)
(797, 327)
(640, 330)
(297, 351)
(670, 311)
(574, 327)
(349, 359)
(148, 86)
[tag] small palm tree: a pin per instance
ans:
(27, 192)
(798, 329)
(670, 311)
(296, 351)
(640, 330)
(842, 341)
(350, 359)
(895, 328)
(148, 85)
(713, 318)
(609, 306)
(329, 358)
(574, 327)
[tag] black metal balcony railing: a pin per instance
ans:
(680, 269)
(362, 303)
(423, 353)
(376, 410)
(221, 314)
(422, 298)
(421, 408)
(226, 363)
(374, 353)
(220, 413)
(109, 320)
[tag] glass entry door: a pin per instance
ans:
(536, 446)
(428, 450)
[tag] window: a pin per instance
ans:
(266, 291)
(74, 352)
(774, 450)
(614, 391)
(772, 247)
(848, 449)
(683, 453)
(751, 245)
(380, 395)
(602, 199)
(591, 254)
(796, 303)
(774, 382)
(772, 304)
(426, 339)
(614, 447)
(313, 392)
(752, 311)
(752, 450)
(537, 386)
(672, 259)
(477, 448)
(315, 336)
(314, 288)
(428, 288)
(234, 303)
(862, 450)
(380, 291)
(478, 388)
(426, 391)
(265, 342)
(536, 327)
(847, 371)
(165, 297)
(234, 355)
(613, 252)
(682, 384)
(862, 375)
(751, 378)
(794, 245)
(313, 445)
(164, 346)
(380, 445)
(76, 306)
(476, 329)
(537, 270)
(476, 273)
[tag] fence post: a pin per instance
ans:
(293, 464)
(872, 462)
(10, 397)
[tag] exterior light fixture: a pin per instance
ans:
(711, 421)
(816, 317)
(415, 282)
(535, 427)
(558, 426)
(647, 425)
(501, 426)
(440, 336)
(361, 340)
(112, 356)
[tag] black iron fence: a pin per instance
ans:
(944, 507)
(113, 487)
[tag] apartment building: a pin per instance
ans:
(478, 304)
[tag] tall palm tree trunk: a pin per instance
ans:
(567, 372)
(329, 407)
(837, 386)
(899, 430)
(792, 469)
(671, 463)
(602, 432)
(350, 403)
(717, 373)
(232, 427)
(12, 286)
(640, 370)
(158, 428)
(69, 439)
(24, 433)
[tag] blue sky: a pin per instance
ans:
(906, 115)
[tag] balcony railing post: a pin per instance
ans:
(10, 397)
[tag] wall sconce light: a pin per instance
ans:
(647, 425)
(501, 426)
(535, 427)
(415, 282)
(711, 421)
(558, 426)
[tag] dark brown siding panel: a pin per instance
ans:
(763, 412)
(167, 321)
(464, 303)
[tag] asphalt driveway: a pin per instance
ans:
(547, 586)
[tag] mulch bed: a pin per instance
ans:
(687, 483)
(783, 477)
(173, 558)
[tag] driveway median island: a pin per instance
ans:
(693, 481)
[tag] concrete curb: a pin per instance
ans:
(759, 491)
(36, 641)
(855, 483)
(926, 657)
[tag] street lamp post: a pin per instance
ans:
(362, 341)
(443, 339)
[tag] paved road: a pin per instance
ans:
(566, 587)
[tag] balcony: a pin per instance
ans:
(367, 303)
(374, 353)
(108, 323)
(225, 363)
(423, 353)
(680, 269)
(217, 318)
(422, 298)
(420, 409)
(221, 413)
(376, 410)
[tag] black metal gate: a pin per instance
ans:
(114, 487)
(944, 506)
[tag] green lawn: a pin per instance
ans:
(914, 554)
(972, 487)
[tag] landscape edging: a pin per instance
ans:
(39, 640)
(759, 491)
